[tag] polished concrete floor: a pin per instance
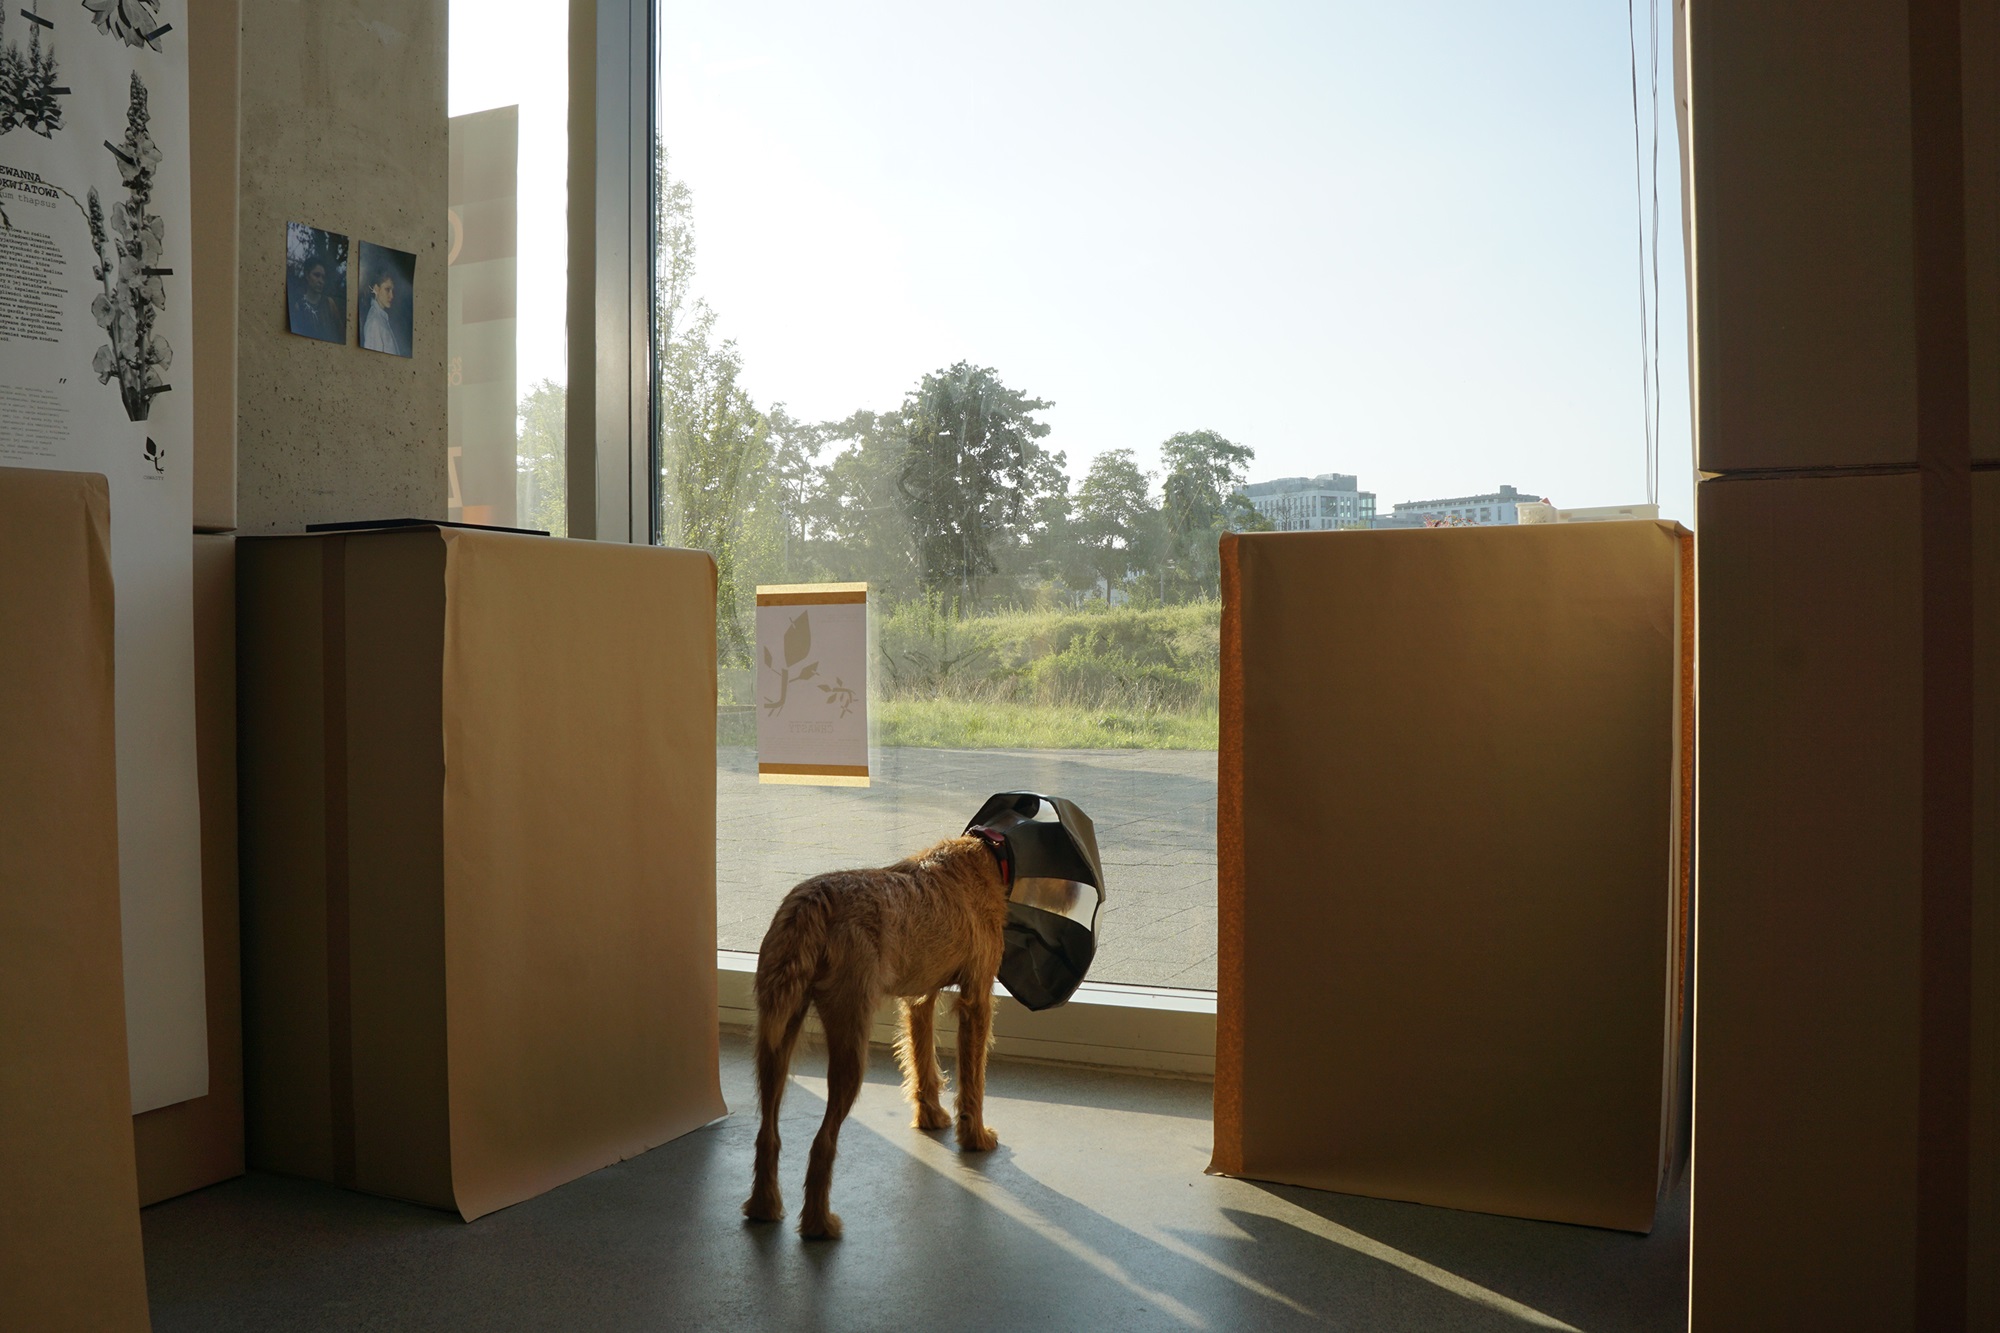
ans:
(1094, 1214)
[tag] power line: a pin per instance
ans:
(1649, 236)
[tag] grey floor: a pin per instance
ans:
(1154, 811)
(1093, 1214)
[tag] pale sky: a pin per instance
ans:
(1397, 240)
(1393, 240)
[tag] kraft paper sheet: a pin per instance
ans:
(579, 874)
(479, 835)
(69, 1207)
(1451, 844)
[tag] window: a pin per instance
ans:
(508, 267)
(1002, 310)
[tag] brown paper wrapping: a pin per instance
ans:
(479, 858)
(1812, 870)
(69, 1209)
(1451, 865)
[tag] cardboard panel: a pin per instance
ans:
(282, 769)
(1984, 1292)
(194, 1143)
(579, 878)
(1805, 322)
(69, 1211)
(1980, 33)
(1807, 950)
(394, 639)
(478, 858)
(1450, 883)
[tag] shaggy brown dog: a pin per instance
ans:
(842, 943)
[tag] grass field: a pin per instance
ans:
(1095, 678)
(966, 725)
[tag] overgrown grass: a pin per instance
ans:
(1093, 678)
(954, 724)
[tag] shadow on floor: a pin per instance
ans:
(1094, 1214)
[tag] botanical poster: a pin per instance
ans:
(95, 334)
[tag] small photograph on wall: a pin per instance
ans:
(388, 279)
(316, 282)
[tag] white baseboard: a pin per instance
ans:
(1139, 1028)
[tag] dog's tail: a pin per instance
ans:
(787, 964)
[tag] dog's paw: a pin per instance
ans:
(826, 1227)
(764, 1208)
(984, 1139)
(931, 1117)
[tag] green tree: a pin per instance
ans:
(855, 523)
(1198, 504)
(541, 481)
(718, 489)
(1111, 509)
(970, 475)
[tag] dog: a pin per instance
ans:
(841, 943)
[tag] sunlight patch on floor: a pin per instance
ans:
(891, 1124)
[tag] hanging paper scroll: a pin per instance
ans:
(95, 332)
(812, 684)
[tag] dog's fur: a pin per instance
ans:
(844, 942)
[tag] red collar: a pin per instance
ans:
(997, 844)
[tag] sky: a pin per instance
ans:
(1399, 240)
(1393, 240)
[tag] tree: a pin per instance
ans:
(969, 476)
(541, 478)
(1111, 509)
(1199, 504)
(718, 490)
(856, 530)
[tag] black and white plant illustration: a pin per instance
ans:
(28, 87)
(129, 268)
(134, 22)
(798, 644)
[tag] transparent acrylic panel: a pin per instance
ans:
(1011, 312)
(508, 263)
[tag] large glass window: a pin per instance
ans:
(508, 266)
(1011, 312)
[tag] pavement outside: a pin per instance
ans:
(1154, 811)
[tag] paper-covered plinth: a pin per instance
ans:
(478, 858)
(1452, 833)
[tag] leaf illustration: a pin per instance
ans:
(811, 670)
(798, 640)
(767, 658)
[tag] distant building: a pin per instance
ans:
(1607, 513)
(1329, 501)
(1473, 511)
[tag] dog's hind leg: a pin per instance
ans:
(916, 1052)
(974, 1011)
(777, 1037)
(846, 1062)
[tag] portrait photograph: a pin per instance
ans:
(387, 285)
(316, 282)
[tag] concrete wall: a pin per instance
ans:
(343, 127)
(213, 32)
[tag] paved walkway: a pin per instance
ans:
(1154, 811)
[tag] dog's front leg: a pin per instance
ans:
(916, 1052)
(975, 1030)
